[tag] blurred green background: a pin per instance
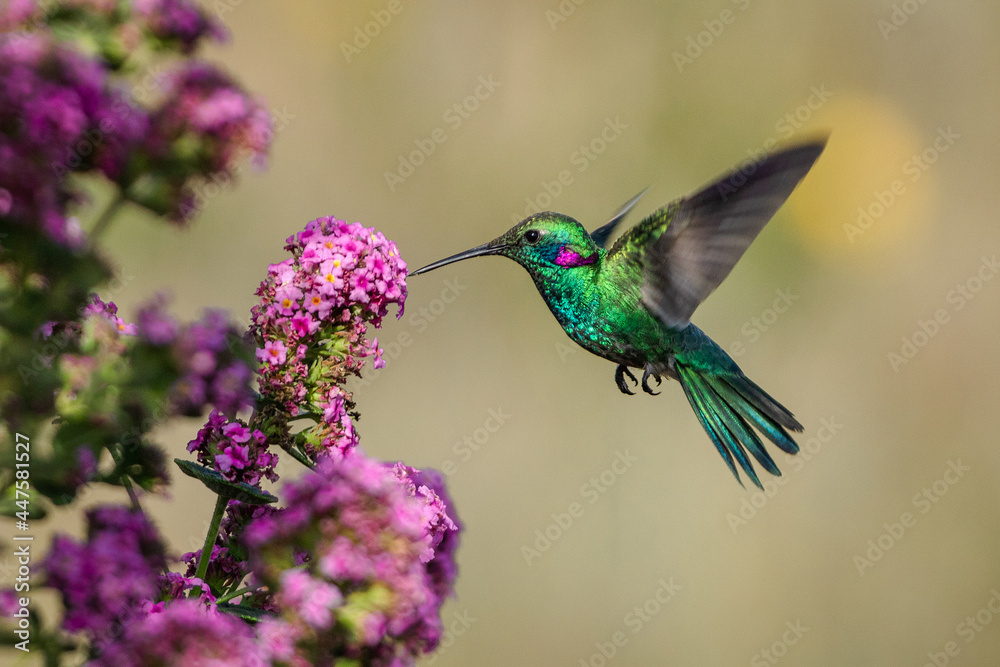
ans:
(873, 550)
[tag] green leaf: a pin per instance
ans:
(246, 613)
(9, 504)
(240, 491)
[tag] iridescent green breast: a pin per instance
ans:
(603, 316)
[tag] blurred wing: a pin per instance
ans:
(687, 248)
(602, 233)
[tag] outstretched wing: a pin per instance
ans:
(687, 248)
(602, 233)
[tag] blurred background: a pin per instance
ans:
(869, 306)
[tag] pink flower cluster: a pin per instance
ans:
(234, 450)
(311, 322)
(348, 559)
(107, 579)
(184, 632)
(440, 522)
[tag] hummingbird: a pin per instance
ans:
(632, 303)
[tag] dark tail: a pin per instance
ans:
(727, 405)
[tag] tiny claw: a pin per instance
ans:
(620, 374)
(645, 382)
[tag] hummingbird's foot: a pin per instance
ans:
(620, 374)
(645, 382)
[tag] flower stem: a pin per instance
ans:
(126, 482)
(107, 216)
(299, 456)
(206, 550)
(235, 594)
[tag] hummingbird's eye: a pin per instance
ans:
(531, 236)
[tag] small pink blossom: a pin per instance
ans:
(274, 353)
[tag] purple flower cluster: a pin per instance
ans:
(234, 450)
(204, 352)
(349, 561)
(313, 317)
(174, 586)
(180, 24)
(108, 578)
(8, 602)
(184, 632)
(64, 109)
(58, 113)
(205, 123)
(178, 21)
(108, 311)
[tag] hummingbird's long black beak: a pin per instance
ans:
(486, 249)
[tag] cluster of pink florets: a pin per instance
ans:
(311, 322)
(237, 452)
(367, 540)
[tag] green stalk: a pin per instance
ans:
(106, 217)
(126, 482)
(235, 594)
(206, 550)
(299, 456)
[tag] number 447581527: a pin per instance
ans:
(22, 457)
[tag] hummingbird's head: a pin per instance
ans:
(544, 241)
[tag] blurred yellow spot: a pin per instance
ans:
(874, 187)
